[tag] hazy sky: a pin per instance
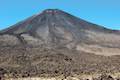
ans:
(102, 12)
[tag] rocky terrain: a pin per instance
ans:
(55, 43)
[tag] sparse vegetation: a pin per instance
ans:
(54, 62)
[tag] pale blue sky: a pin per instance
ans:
(102, 12)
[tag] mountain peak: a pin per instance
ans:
(52, 10)
(59, 28)
(52, 21)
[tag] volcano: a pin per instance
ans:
(55, 42)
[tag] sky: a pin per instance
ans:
(101, 12)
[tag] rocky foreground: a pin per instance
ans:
(75, 77)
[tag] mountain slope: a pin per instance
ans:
(56, 28)
(57, 43)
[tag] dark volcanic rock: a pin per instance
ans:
(104, 77)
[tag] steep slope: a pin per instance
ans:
(56, 28)
(57, 43)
